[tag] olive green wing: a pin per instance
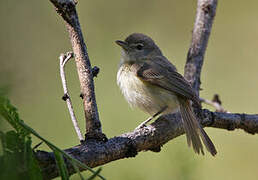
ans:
(160, 72)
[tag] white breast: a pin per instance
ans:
(148, 98)
(131, 86)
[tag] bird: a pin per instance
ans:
(149, 81)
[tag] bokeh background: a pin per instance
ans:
(32, 36)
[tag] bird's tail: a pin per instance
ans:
(194, 130)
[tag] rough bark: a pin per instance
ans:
(96, 153)
(206, 10)
(66, 8)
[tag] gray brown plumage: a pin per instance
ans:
(149, 81)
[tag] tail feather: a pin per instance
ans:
(194, 132)
(207, 142)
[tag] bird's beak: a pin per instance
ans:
(123, 44)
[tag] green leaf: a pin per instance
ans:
(17, 160)
(32, 164)
(76, 168)
(9, 113)
(17, 149)
(95, 174)
(61, 165)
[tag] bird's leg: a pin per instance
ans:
(143, 124)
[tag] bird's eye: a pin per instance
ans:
(139, 46)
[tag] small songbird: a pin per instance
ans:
(150, 82)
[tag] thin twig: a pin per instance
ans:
(63, 60)
(216, 103)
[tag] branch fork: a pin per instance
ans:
(66, 9)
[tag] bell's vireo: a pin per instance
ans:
(149, 81)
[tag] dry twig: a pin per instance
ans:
(216, 103)
(63, 60)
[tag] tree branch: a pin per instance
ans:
(152, 137)
(206, 10)
(66, 8)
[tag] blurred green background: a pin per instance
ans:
(32, 36)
